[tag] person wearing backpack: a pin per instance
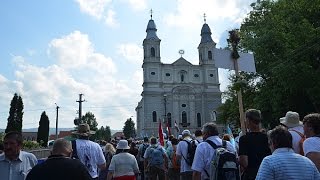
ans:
(206, 154)
(173, 164)
(142, 149)
(295, 127)
(185, 154)
(155, 160)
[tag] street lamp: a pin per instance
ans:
(165, 107)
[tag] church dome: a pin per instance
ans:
(152, 30)
(206, 34)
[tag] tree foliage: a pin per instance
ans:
(284, 36)
(91, 120)
(15, 114)
(128, 129)
(104, 133)
(43, 130)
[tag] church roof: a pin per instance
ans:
(206, 34)
(181, 62)
(151, 30)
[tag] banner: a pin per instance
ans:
(160, 132)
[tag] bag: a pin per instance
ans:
(174, 161)
(191, 151)
(144, 148)
(224, 164)
(156, 157)
(74, 150)
(303, 138)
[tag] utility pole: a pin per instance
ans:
(234, 40)
(57, 108)
(80, 107)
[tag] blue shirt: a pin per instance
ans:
(16, 169)
(285, 164)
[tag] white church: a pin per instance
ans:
(179, 92)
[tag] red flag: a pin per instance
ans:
(161, 134)
(168, 129)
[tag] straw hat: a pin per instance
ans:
(84, 130)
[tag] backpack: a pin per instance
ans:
(303, 138)
(156, 157)
(144, 148)
(174, 160)
(74, 148)
(224, 164)
(191, 151)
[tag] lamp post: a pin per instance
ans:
(165, 107)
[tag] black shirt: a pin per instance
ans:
(58, 167)
(255, 146)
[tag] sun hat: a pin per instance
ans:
(123, 144)
(84, 130)
(186, 132)
(291, 119)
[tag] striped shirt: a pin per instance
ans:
(284, 164)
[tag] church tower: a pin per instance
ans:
(206, 45)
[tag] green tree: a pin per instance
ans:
(91, 120)
(15, 114)
(128, 129)
(108, 133)
(104, 133)
(284, 37)
(43, 130)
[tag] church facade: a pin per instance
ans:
(181, 92)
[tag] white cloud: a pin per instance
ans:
(132, 52)
(93, 8)
(110, 19)
(137, 5)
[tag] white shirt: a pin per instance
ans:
(311, 144)
(91, 155)
(296, 137)
(182, 150)
(123, 164)
(204, 154)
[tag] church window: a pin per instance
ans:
(154, 116)
(169, 119)
(198, 119)
(167, 74)
(153, 52)
(211, 75)
(209, 55)
(184, 105)
(184, 117)
(196, 75)
(153, 73)
(182, 77)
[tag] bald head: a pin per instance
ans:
(62, 147)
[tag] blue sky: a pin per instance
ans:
(53, 50)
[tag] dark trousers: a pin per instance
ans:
(187, 175)
(173, 174)
(141, 168)
(155, 172)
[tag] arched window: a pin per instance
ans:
(199, 119)
(153, 52)
(209, 54)
(184, 117)
(169, 119)
(154, 116)
(182, 77)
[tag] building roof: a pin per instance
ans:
(152, 30)
(118, 134)
(206, 34)
(181, 62)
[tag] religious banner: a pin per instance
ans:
(224, 60)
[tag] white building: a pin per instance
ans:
(179, 92)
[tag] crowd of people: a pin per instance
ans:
(289, 151)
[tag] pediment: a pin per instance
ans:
(181, 62)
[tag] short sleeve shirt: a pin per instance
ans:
(204, 154)
(254, 145)
(17, 169)
(123, 164)
(182, 150)
(91, 155)
(296, 137)
(311, 144)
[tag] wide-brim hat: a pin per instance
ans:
(186, 132)
(291, 120)
(84, 130)
(123, 144)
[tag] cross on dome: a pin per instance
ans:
(204, 16)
